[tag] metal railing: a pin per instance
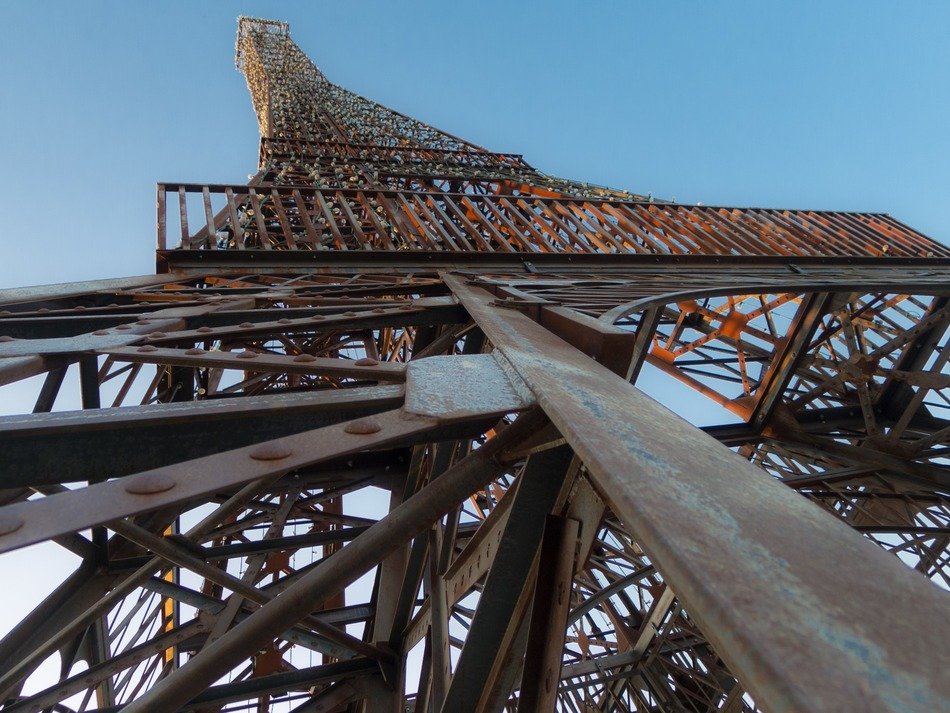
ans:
(241, 217)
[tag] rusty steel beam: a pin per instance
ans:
(72, 446)
(542, 663)
(387, 313)
(489, 397)
(407, 520)
(192, 262)
(638, 227)
(711, 522)
(506, 592)
(12, 296)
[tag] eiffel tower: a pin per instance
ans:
(370, 440)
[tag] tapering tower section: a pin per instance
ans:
(316, 133)
(373, 439)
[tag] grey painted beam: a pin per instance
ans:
(72, 446)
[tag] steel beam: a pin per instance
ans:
(552, 599)
(509, 583)
(325, 270)
(800, 606)
(412, 517)
(71, 446)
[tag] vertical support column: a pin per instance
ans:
(508, 585)
(97, 634)
(178, 384)
(439, 623)
(89, 382)
(389, 581)
(89, 394)
(552, 599)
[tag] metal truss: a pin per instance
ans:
(371, 440)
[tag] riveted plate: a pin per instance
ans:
(460, 386)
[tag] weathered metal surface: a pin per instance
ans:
(65, 345)
(711, 522)
(73, 446)
(283, 364)
(75, 510)
(446, 220)
(17, 295)
(505, 596)
(408, 519)
(542, 662)
(695, 582)
(458, 386)
(195, 262)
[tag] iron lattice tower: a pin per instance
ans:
(388, 308)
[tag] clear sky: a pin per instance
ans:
(839, 105)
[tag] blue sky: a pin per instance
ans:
(837, 105)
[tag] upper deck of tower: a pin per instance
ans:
(337, 171)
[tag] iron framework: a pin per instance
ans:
(370, 440)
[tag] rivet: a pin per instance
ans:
(100, 332)
(318, 316)
(78, 308)
(113, 304)
(305, 357)
(147, 348)
(379, 310)
(43, 309)
(9, 524)
(246, 325)
(204, 330)
(142, 320)
(363, 426)
(157, 335)
(194, 351)
(366, 361)
(7, 338)
(284, 320)
(273, 450)
(406, 307)
(150, 484)
(349, 314)
(123, 327)
(246, 355)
